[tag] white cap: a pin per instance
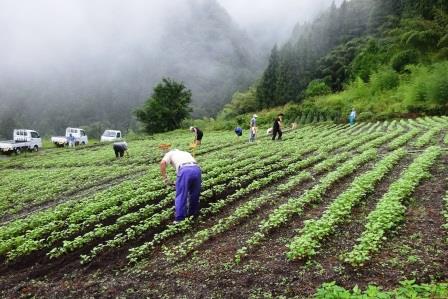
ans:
(254, 115)
(191, 128)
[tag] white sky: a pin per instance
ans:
(273, 18)
(41, 33)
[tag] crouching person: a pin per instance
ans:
(188, 181)
(120, 148)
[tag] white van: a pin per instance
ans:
(111, 135)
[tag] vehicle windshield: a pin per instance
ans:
(109, 133)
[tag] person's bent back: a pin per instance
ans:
(120, 148)
(188, 182)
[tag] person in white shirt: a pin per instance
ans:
(188, 181)
(253, 128)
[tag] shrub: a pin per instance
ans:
(437, 86)
(386, 79)
(423, 39)
(400, 60)
(366, 116)
(443, 54)
(367, 61)
(427, 88)
(443, 42)
(317, 88)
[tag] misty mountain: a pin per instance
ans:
(101, 71)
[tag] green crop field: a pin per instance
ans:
(328, 209)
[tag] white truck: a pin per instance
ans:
(79, 134)
(23, 139)
(111, 135)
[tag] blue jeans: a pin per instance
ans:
(188, 189)
(251, 136)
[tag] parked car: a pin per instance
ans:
(111, 135)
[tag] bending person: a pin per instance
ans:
(197, 135)
(188, 181)
(120, 148)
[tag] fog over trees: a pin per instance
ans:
(91, 63)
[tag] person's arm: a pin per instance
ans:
(163, 172)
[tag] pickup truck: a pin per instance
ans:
(23, 139)
(111, 135)
(79, 134)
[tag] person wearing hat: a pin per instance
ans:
(197, 135)
(277, 127)
(253, 128)
(120, 148)
(188, 181)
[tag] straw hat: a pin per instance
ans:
(164, 146)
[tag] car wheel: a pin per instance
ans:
(36, 148)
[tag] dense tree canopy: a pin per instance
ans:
(298, 62)
(358, 39)
(166, 108)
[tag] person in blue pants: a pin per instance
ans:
(188, 181)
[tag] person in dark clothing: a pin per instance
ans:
(120, 148)
(277, 127)
(197, 135)
(238, 131)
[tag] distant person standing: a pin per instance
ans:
(197, 135)
(352, 117)
(120, 148)
(188, 181)
(277, 127)
(253, 128)
(71, 140)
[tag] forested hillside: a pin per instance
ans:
(385, 58)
